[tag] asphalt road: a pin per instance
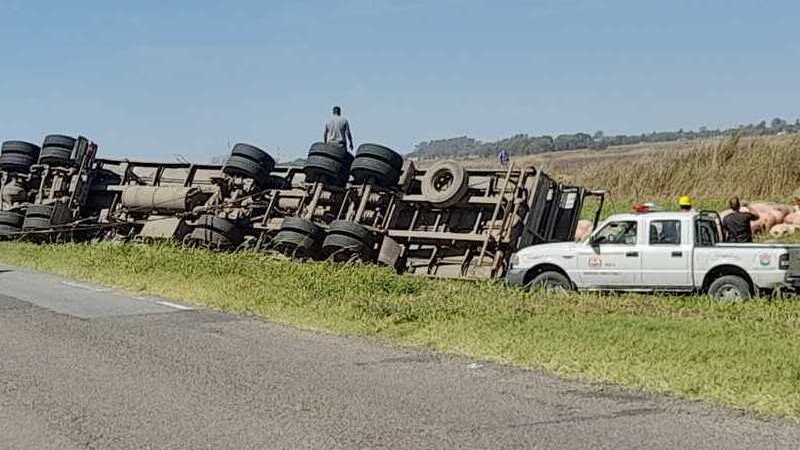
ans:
(86, 367)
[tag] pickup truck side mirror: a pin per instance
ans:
(594, 241)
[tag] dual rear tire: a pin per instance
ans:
(377, 165)
(327, 164)
(247, 161)
(215, 233)
(347, 241)
(298, 238)
(18, 156)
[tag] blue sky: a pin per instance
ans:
(150, 79)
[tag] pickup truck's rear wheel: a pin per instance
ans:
(730, 287)
(551, 281)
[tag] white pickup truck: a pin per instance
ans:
(659, 252)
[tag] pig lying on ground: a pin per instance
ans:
(783, 229)
(792, 219)
(768, 217)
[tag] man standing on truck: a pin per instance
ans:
(737, 224)
(337, 130)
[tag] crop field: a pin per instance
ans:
(738, 354)
(755, 169)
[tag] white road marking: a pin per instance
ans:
(176, 306)
(83, 286)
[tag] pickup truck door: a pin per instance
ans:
(612, 259)
(667, 257)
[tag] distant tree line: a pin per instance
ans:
(523, 144)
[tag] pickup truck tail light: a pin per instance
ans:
(783, 262)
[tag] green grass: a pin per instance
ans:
(744, 355)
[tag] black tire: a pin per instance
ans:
(214, 239)
(217, 232)
(45, 211)
(16, 162)
(20, 148)
(354, 230)
(366, 169)
(382, 153)
(320, 150)
(7, 231)
(37, 217)
(730, 287)
(36, 223)
(254, 154)
(334, 152)
(300, 225)
(55, 156)
(246, 168)
(294, 239)
(11, 219)
(216, 223)
(326, 170)
(59, 141)
(551, 281)
(292, 243)
(345, 246)
(445, 184)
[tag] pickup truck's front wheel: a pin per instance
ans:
(551, 281)
(730, 287)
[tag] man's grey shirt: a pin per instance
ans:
(336, 130)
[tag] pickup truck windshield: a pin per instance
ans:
(621, 232)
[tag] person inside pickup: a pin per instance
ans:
(665, 232)
(621, 233)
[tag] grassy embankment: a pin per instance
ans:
(745, 355)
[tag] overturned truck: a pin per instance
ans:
(442, 220)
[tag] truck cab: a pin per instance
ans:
(659, 252)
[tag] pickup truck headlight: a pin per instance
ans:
(514, 260)
(783, 262)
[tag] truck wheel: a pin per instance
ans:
(347, 241)
(551, 281)
(254, 154)
(216, 233)
(328, 171)
(445, 184)
(730, 287)
(334, 152)
(297, 238)
(16, 162)
(20, 148)
(60, 141)
(55, 156)
(366, 169)
(328, 164)
(246, 168)
(382, 153)
(11, 219)
(8, 232)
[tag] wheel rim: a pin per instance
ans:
(443, 181)
(554, 287)
(730, 292)
(550, 287)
